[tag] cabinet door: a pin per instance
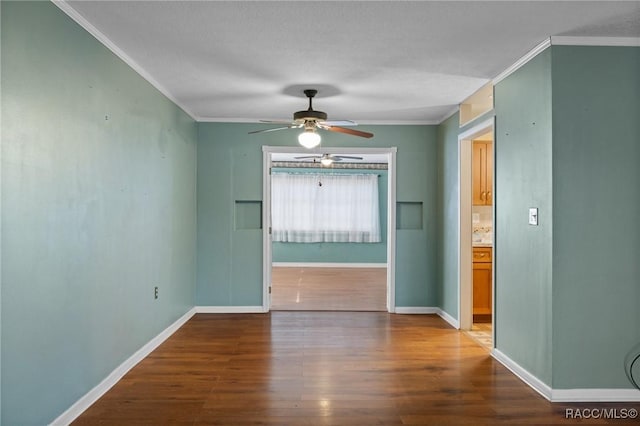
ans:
(482, 288)
(478, 173)
(482, 173)
(489, 174)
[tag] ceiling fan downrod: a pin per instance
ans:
(310, 114)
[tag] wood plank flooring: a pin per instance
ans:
(329, 289)
(323, 368)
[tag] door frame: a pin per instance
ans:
(266, 212)
(465, 228)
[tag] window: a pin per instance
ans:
(313, 208)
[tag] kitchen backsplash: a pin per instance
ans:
(482, 225)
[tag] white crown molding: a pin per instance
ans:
(94, 394)
(449, 114)
(595, 41)
(360, 122)
(531, 380)
(327, 265)
(567, 41)
(80, 20)
(229, 309)
(520, 62)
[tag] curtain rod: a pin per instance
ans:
(326, 174)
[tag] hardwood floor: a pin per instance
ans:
(323, 368)
(329, 289)
(482, 333)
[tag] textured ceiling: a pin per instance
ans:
(373, 62)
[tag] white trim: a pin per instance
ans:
(595, 41)
(267, 255)
(360, 122)
(566, 395)
(531, 380)
(595, 395)
(391, 210)
(229, 309)
(477, 129)
(80, 20)
(449, 114)
(427, 310)
(328, 265)
(465, 250)
(326, 149)
(391, 230)
(448, 318)
(520, 62)
(94, 394)
(415, 310)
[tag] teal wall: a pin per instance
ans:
(230, 169)
(98, 207)
(339, 252)
(596, 213)
(567, 292)
(448, 213)
(523, 253)
(0, 215)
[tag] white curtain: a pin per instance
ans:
(312, 208)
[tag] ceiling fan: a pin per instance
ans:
(328, 159)
(311, 120)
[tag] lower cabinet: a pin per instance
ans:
(482, 291)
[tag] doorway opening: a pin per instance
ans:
(329, 283)
(477, 232)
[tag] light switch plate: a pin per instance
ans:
(533, 216)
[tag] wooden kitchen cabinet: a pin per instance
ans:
(482, 289)
(482, 170)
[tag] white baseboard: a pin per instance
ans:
(327, 265)
(415, 310)
(427, 310)
(595, 395)
(94, 394)
(229, 309)
(531, 380)
(448, 318)
(566, 395)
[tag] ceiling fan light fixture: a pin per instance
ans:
(309, 138)
(326, 161)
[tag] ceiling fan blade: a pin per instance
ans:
(308, 157)
(338, 123)
(347, 156)
(349, 131)
(276, 121)
(272, 130)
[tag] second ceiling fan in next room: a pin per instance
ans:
(327, 159)
(312, 120)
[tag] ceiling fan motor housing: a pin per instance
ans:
(310, 114)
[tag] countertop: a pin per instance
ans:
(482, 244)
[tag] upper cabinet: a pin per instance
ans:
(482, 173)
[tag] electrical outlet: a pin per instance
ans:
(533, 216)
(155, 292)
